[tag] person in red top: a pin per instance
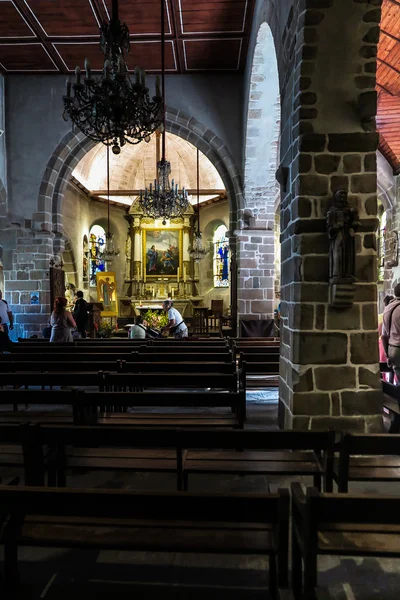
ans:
(391, 332)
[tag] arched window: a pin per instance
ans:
(97, 239)
(221, 257)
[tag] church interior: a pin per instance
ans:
(224, 175)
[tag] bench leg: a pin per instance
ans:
(11, 575)
(273, 586)
(310, 574)
(318, 482)
(297, 583)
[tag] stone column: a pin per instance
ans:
(329, 373)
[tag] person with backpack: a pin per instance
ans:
(80, 313)
(391, 333)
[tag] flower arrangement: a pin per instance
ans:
(155, 319)
(105, 330)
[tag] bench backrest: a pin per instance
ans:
(346, 508)
(238, 507)
(352, 444)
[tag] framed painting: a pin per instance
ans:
(162, 252)
(107, 293)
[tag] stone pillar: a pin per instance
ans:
(329, 373)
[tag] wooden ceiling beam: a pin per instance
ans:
(388, 65)
(389, 35)
(385, 89)
(33, 24)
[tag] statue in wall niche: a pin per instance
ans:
(392, 252)
(342, 223)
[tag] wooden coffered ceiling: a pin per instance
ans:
(53, 36)
(388, 83)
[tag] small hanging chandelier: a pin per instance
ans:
(109, 252)
(113, 109)
(164, 200)
(197, 252)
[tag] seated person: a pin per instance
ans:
(138, 330)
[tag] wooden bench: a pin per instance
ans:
(153, 522)
(367, 457)
(339, 525)
(161, 450)
(307, 453)
(107, 408)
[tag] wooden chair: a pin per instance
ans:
(124, 520)
(200, 320)
(339, 525)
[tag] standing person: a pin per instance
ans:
(6, 316)
(5, 343)
(61, 321)
(80, 313)
(138, 330)
(391, 332)
(176, 324)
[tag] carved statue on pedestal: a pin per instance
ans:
(342, 223)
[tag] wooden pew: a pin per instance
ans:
(105, 408)
(339, 525)
(276, 452)
(367, 457)
(200, 523)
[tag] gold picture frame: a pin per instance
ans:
(162, 254)
(107, 293)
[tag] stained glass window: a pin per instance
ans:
(97, 239)
(221, 257)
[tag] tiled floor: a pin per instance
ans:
(66, 574)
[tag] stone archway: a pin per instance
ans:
(75, 145)
(257, 239)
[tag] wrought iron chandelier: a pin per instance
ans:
(197, 252)
(109, 251)
(113, 109)
(164, 200)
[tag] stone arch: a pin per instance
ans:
(262, 127)
(74, 146)
(261, 159)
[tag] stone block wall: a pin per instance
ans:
(31, 253)
(329, 374)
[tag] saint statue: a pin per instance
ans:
(342, 223)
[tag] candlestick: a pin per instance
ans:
(177, 274)
(184, 274)
(144, 274)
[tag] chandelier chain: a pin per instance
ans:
(113, 109)
(165, 201)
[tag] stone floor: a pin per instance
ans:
(59, 574)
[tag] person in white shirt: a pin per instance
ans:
(176, 324)
(6, 316)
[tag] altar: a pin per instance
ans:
(142, 307)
